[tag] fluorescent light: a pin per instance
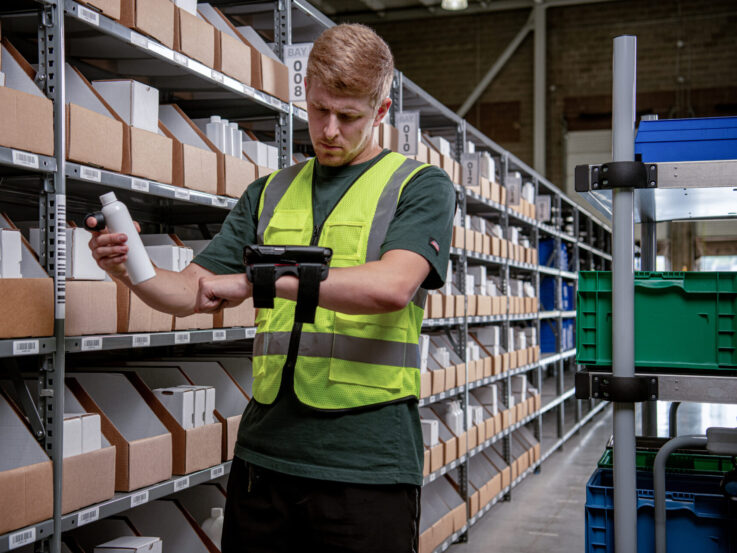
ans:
(454, 5)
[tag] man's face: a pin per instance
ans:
(340, 125)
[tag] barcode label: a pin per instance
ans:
(219, 201)
(88, 173)
(432, 477)
(181, 337)
(181, 59)
(25, 159)
(232, 84)
(217, 472)
(139, 40)
(141, 340)
(250, 333)
(91, 344)
(163, 51)
(276, 102)
(60, 256)
(249, 90)
(89, 16)
(181, 484)
(25, 347)
(181, 194)
(216, 75)
(140, 185)
(218, 335)
(139, 499)
(90, 515)
(21, 538)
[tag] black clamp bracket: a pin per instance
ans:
(616, 174)
(627, 389)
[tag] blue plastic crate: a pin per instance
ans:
(569, 334)
(547, 293)
(569, 297)
(697, 139)
(548, 342)
(699, 517)
(546, 254)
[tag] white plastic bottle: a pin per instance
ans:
(236, 140)
(213, 526)
(118, 219)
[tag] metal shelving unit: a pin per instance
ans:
(68, 28)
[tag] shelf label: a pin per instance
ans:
(408, 123)
(90, 174)
(181, 59)
(276, 102)
(25, 347)
(90, 515)
(92, 343)
(181, 484)
(219, 335)
(432, 477)
(91, 17)
(139, 184)
(181, 337)
(232, 83)
(217, 76)
(163, 51)
(249, 91)
(24, 159)
(441, 395)
(181, 193)
(295, 58)
(139, 498)
(141, 340)
(219, 201)
(251, 332)
(19, 539)
(139, 40)
(217, 472)
(203, 70)
(470, 167)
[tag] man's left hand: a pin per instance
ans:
(221, 292)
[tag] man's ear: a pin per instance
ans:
(382, 111)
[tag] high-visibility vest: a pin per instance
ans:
(344, 361)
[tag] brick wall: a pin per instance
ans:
(447, 56)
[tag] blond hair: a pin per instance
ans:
(352, 59)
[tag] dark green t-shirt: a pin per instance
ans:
(374, 446)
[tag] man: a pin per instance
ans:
(329, 454)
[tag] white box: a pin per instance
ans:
(165, 257)
(479, 275)
(257, 152)
(200, 401)
(2, 78)
(91, 432)
(488, 335)
(80, 263)
(130, 544)
(519, 386)
(528, 192)
(441, 144)
(488, 166)
(209, 405)
(180, 403)
(187, 5)
(10, 253)
(272, 157)
(429, 432)
(424, 346)
(543, 207)
(137, 104)
(72, 441)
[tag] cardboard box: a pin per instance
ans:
(32, 295)
(234, 175)
(26, 489)
(26, 115)
(239, 316)
(136, 103)
(438, 381)
(135, 316)
(154, 18)
(131, 544)
(148, 155)
(143, 444)
(232, 55)
(436, 457)
(10, 253)
(459, 237)
(91, 307)
(426, 463)
(110, 8)
(194, 37)
(195, 321)
(425, 384)
(267, 73)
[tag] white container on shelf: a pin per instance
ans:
(213, 526)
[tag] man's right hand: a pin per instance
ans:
(110, 250)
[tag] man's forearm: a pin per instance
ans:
(170, 292)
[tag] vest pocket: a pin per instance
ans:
(347, 240)
(287, 228)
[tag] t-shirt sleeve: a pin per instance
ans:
(423, 222)
(224, 254)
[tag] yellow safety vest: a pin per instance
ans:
(343, 361)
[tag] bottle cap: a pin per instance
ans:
(233, 125)
(214, 119)
(216, 512)
(108, 198)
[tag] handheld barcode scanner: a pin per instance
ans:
(99, 219)
(265, 264)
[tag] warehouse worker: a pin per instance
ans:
(329, 455)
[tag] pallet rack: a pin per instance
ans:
(65, 28)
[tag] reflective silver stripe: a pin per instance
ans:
(273, 193)
(420, 297)
(337, 346)
(386, 208)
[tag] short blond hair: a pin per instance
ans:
(352, 59)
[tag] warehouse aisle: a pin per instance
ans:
(547, 509)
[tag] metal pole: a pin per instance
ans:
(649, 249)
(673, 419)
(539, 13)
(623, 302)
(659, 483)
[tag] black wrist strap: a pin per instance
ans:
(308, 293)
(263, 279)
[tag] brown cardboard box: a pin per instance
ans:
(506, 419)
(94, 139)
(504, 248)
(471, 303)
(450, 451)
(234, 175)
(425, 384)
(472, 437)
(478, 242)
(147, 154)
(483, 305)
(481, 433)
(154, 18)
(450, 378)
(193, 449)
(26, 121)
(460, 374)
(436, 301)
(426, 463)
(438, 381)
(91, 307)
(460, 305)
(87, 479)
(488, 362)
(425, 542)
(233, 57)
(110, 8)
(490, 431)
(459, 517)
(138, 462)
(242, 315)
(498, 423)
(512, 415)
(538, 402)
(497, 365)
(459, 237)
(474, 503)
(506, 361)
(194, 322)
(136, 316)
(496, 246)
(449, 304)
(495, 192)
(194, 37)
(436, 457)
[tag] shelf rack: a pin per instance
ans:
(68, 29)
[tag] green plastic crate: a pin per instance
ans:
(683, 320)
(684, 463)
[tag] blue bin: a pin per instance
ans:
(698, 517)
(547, 293)
(546, 254)
(547, 337)
(697, 139)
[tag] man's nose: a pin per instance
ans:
(331, 127)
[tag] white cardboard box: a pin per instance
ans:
(131, 544)
(429, 432)
(81, 264)
(179, 402)
(91, 432)
(10, 253)
(72, 442)
(165, 257)
(200, 399)
(187, 5)
(257, 152)
(137, 104)
(209, 391)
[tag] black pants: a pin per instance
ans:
(267, 511)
